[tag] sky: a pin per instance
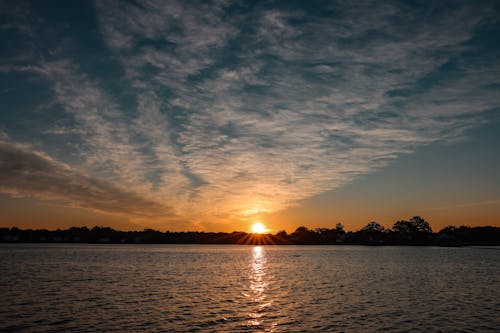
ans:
(184, 115)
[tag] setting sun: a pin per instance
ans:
(258, 228)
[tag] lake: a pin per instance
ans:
(234, 288)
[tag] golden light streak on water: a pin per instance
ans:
(259, 281)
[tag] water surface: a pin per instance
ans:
(231, 288)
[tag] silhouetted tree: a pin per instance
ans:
(327, 236)
(373, 227)
(282, 234)
(420, 225)
(402, 227)
(372, 233)
(302, 235)
(416, 230)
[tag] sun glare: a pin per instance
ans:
(258, 228)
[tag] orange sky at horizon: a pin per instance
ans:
(35, 214)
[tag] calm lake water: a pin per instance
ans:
(204, 288)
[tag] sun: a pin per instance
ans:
(258, 228)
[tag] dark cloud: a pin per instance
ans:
(225, 108)
(25, 172)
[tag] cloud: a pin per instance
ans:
(24, 172)
(236, 110)
(183, 37)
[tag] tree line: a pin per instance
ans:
(415, 231)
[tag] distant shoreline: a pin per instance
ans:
(266, 244)
(447, 237)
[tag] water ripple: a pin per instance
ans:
(186, 288)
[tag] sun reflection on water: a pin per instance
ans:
(259, 281)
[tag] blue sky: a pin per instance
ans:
(209, 115)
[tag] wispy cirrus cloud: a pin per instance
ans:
(241, 109)
(24, 172)
(307, 107)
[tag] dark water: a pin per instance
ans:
(190, 288)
